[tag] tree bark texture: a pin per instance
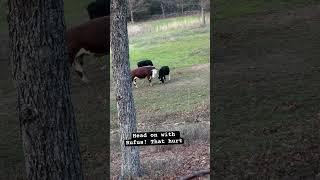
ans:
(130, 166)
(40, 71)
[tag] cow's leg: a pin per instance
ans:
(162, 79)
(150, 78)
(78, 64)
(105, 66)
(79, 70)
(169, 77)
(81, 53)
(135, 82)
(80, 59)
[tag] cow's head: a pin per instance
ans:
(154, 73)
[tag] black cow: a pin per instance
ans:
(145, 63)
(163, 72)
(98, 8)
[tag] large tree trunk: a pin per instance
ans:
(130, 166)
(41, 74)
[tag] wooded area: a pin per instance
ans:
(149, 9)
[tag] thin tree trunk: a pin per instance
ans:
(41, 74)
(130, 160)
(162, 8)
(182, 7)
(203, 17)
(131, 10)
(131, 15)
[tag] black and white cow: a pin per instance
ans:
(145, 63)
(163, 72)
(98, 8)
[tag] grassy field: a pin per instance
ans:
(175, 42)
(266, 123)
(177, 48)
(181, 104)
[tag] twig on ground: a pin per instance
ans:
(196, 174)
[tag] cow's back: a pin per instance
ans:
(93, 35)
(142, 72)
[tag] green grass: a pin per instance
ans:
(179, 45)
(158, 24)
(187, 89)
(182, 45)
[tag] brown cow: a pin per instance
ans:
(91, 37)
(148, 72)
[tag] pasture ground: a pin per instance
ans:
(266, 64)
(181, 104)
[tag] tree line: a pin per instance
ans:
(146, 9)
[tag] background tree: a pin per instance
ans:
(180, 4)
(162, 7)
(130, 166)
(139, 6)
(41, 74)
(204, 4)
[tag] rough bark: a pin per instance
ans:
(41, 74)
(130, 166)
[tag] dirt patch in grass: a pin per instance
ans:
(172, 161)
(179, 161)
